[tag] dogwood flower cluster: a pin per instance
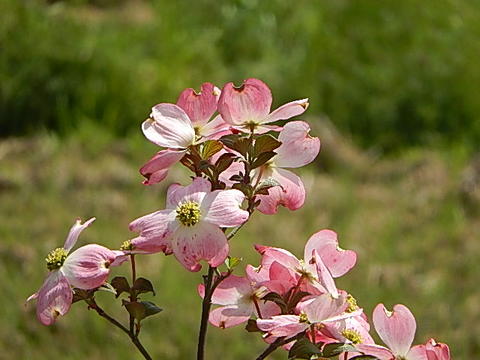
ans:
(241, 155)
(286, 297)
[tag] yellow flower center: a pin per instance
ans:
(352, 304)
(126, 245)
(188, 213)
(303, 318)
(352, 335)
(56, 258)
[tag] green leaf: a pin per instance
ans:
(108, 288)
(265, 143)
(262, 188)
(120, 284)
(232, 262)
(224, 162)
(150, 308)
(142, 285)
(303, 349)
(229, 140)
(210, 148)
(204, 165)
(237, 143)
(141, 309)
(262, 159)
(331, 350)
(252, 326)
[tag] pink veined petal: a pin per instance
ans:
(54, 298)
(396, 328)
(268, 309)
(155, 232)
(88, 267)
(324, 307)
(337, 260)
(418, 352)
(437, 351)
(282, 325)
(282, 279)
(227, 316)
(291, 194)
(263, 129)
(199, 106)
(298, 147)
(74, 233)
(378, 351)
(248, 103)
(120, 257)
(257, 275)
(222, 208)
(215, 129)
(170, 127)
(282, 256)
(204, 241)
(231, 291)
(324, 276)
(151, 245)
(195, 192)
(287, 111)
(156, 169)
(157, 224)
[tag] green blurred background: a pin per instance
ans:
(394, 94)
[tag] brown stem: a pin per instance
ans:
(206, 304)
(276, 344)
(133, 296)
(93, 305)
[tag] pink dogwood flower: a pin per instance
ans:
(298, 149)
(240, 298)
(190, 226)
(318, 310)
(85, 268)
(247, 108)
(437, 351)
(396, 329)
(177, 127)
(323, 261)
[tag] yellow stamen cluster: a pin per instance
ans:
(188, 213)
(126, 245)
(56, 258)
(352, 335)
(352, 304)
(303, 318)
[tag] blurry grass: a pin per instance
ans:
(403, 215)
(391, 73)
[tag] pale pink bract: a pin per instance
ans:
(247, 108)
(397, 330)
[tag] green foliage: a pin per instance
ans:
(388, 73)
